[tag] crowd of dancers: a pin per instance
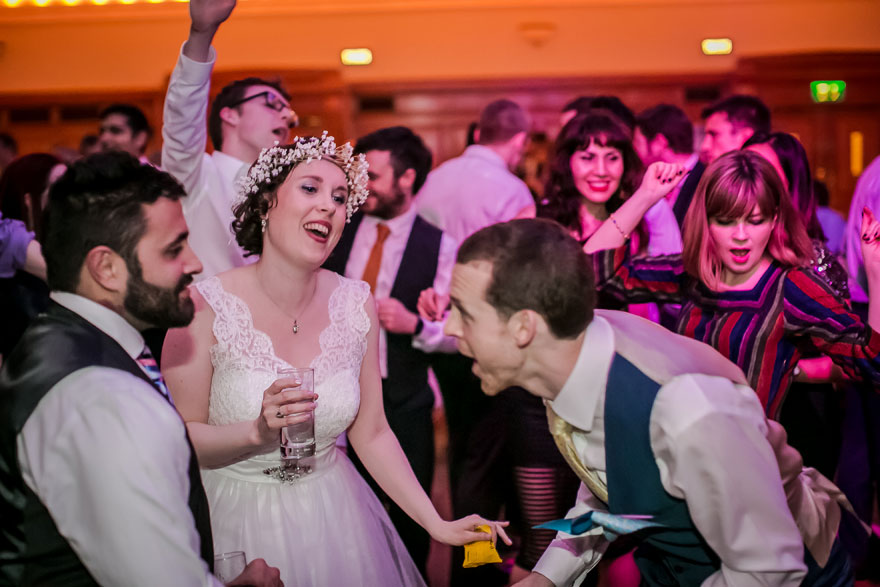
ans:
(634, 337)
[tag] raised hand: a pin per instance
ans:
(870, 232)
(205, 16)
(208, 15)
(284, 404)
(659, 179)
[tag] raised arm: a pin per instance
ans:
(186, 366)
(659, 180)
(871, 254)
(184, 132)
(381, 454)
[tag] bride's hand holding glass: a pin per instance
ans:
(284, 404)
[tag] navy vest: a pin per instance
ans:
(675, 556)
(406, 387)
(58, 342)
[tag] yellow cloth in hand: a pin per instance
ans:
(481, 552)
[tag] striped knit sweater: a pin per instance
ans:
(764, 330)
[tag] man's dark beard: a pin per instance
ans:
(159, 307)
(389, 208)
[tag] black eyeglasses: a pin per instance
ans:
(274, 102)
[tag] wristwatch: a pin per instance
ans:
(419, 325)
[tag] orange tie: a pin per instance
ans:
(371, 271)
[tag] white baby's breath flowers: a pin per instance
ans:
(273, 160)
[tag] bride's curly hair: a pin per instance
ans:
(250, 210)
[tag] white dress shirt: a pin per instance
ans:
(710, 441)
(209, 180)
(471, 192)
(431, 339)
(107, 456)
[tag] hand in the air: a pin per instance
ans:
(208, 15)
(870, 232)
(660, 179)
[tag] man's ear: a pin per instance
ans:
(519, 140)
(523, 326)
(658, 143)
(407, 179)
(230, 115)
(106, 268)
(140, 140)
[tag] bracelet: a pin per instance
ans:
(617, 226)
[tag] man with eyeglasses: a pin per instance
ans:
(245, 117)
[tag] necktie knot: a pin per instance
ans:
(148, 363)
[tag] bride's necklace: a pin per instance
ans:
(295, 327)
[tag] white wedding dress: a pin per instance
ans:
(326, 529)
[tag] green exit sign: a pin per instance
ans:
(828, 90)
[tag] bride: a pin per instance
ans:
(327, 527)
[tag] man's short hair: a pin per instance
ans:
(407, 149)
(500, 121)
(610, 104)
(98, 201)
(742, 110)
(7, 141)
(232, 94)
(536, 265)
(134, 116)
(671, 122)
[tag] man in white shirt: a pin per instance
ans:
(246, 117)
(400, 254)
(477, 188)
(654, 424)
(101, 484)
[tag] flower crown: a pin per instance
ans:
(273, 160)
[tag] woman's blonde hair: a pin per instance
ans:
(730, 188)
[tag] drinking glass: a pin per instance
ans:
(229, 565)
(298, 440)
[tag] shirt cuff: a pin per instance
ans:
(432, 340)
(563, 567)
(194, 72)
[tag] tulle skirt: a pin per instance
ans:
(326, 529)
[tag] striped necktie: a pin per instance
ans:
(148, 363)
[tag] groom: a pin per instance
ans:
(653, 423)
(99, 482)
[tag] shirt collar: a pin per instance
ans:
(483, 152)
(230, 167)
(397, 224)
(105, 319)
(579, 398)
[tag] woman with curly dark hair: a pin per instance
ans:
(225, 372)
(594, 169)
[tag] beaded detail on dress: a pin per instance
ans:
(828, 266)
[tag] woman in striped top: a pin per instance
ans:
(744, 279)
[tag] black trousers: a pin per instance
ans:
(414, 430)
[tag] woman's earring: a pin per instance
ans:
(263, 225)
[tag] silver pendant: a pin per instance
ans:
(295, 327)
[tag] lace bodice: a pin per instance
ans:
(245, 362)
